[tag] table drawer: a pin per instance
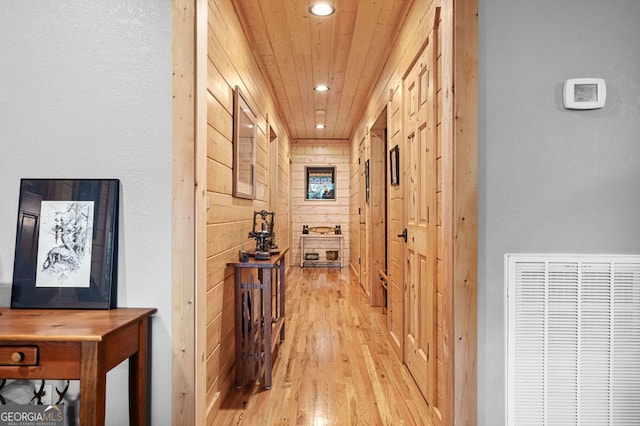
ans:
(18, 355)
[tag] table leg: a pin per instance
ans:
(138, 378)
(281, 286)
(93, 381)
(267, 328)
(239, 312)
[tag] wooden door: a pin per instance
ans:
(420, 198)
(395, 216)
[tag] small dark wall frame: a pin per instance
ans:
(320, 183)
(367, 182)
(394, 165)
(66, 253)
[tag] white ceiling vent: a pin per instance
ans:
(573, 340)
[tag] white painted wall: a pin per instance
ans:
(551, 180)
(85, 92)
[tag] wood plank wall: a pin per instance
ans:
(319, 213)
(456, 193)
(282, 206)
(229, 219)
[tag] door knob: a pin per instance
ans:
(403, 235)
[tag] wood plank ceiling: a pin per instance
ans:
(345, 51)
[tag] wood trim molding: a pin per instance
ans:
(183, 204)
(201, 209)
(465, 274)
(460, 139)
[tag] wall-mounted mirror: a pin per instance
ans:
(244, 147)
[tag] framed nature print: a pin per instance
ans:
(66, 244)
(320, 183)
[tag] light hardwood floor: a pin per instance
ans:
(335, 366)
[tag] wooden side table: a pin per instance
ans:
(259, 316)
(79, 345)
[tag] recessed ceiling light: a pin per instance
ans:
(321, 88)
(322, 9)
(319, 126)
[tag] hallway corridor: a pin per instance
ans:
(335, 366)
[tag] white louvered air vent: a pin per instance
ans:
(573, 340)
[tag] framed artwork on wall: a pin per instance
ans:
(367, 187)
(320, 183)
(244, 147)
(66, 249)
(394, 165)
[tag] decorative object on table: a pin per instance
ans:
(311, 256)
(331, 254)
(263, 225)
(321, 229)
(66, 250)
(320, 183)
(243, 256)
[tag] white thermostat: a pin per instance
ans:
(584, 93)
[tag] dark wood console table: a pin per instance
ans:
(79, 345)
(259, 316)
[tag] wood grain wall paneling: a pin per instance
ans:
(229, 220)
(222, 222)
(456, 233)
(345, 51)
(219, 118)
(222, 147)
(324, 212)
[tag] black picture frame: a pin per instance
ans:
(367, 187)
(394, 165)
(66, 253)
(320, 183)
